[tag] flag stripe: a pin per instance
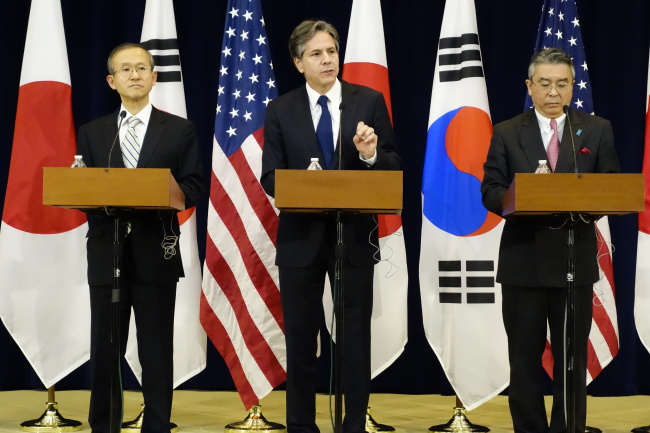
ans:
(252, 337)
(257, 272)
(219, 337)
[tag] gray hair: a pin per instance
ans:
(305, 31)
(553, 56)
(122, 47)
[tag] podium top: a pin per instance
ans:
(588, 193)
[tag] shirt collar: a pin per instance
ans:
(334, 95)
(144, 115)
(545, 122)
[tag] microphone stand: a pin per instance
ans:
(339, 303)
(340, 321)
(115, 414)
(570, 329)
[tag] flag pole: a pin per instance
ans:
(255, 421)
(51, 420)
(458, 422)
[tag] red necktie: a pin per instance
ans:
(553, 146)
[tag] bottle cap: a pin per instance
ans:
(314, 160)
(542, 161)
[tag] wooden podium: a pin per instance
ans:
(588, 193)
(576, 196)
(339, 192)
(113, 191)
(89, 188)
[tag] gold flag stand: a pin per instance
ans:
(458, 423)
(51, 420)
(254, 421)
(136, 425)
(373, 426)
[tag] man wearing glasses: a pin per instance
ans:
(532, 256)
(151, 260)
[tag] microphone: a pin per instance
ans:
(341, 107)
(573, 144)
(117, 134)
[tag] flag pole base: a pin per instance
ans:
(458, 424)
(136, 425)
(254, 421)
(644, 429)
(51, 421)
(373, 426)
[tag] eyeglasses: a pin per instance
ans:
(562, 87)
(127, 71)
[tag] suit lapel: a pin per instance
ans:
(152, 137)
(113, 152)
(565, 161)
(301, 112)
(530, 138)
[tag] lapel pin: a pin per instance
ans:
(579, 131)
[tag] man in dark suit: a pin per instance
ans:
(532, 265)
(151, 262)
(305, 243)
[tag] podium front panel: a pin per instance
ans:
(88, 188)
(589, 193)
(371, 191)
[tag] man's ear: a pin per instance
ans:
(298, 64)
(109, 80)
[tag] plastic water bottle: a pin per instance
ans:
(78, 162)
(314, 165)
(542, 167)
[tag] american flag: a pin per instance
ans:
(560, 28)
(240, 306)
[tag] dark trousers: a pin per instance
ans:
(153, 307)
(526, 311)
(302, 306)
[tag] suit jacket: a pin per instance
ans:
(170, 142)
(289, 143)
(533, 249)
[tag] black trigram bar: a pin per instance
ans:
(449, 281)
(458, 41)
(449, 265)
(169, 76)
(458, 58)
(462, 73)
(480, 265)
(450, 298)
(480, 298)
(161, 44)
(480, 281)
